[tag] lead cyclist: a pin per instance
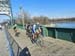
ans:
(38, 36)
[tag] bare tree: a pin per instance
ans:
(41, 19)
(23, 17)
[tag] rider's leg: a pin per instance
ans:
(32, 38)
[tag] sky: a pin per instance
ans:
(49, 8)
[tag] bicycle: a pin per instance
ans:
(39, 40)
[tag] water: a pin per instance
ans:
(66, 25)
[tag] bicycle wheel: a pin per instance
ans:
(39, 41)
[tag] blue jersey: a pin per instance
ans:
(34, 28)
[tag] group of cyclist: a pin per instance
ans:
(34, 30)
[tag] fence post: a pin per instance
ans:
(56, 34)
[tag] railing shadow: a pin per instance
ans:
(17, 50)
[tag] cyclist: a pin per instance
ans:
(16, 30)
(14, 27)
(28, 30)
(36, 30)
(33, 32)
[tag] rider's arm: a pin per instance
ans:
(39, 29)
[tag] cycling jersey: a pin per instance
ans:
(33, 28)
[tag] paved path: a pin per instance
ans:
(54, 47)
(3, 45)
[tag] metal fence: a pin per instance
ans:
(13, 45)
(62, 33)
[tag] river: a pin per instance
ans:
(66, 25)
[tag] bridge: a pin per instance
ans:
(62, 20)
(22, 45)
(11, 45)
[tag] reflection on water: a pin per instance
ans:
(66, 25)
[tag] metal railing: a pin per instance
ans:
(62, 33)
(14, 48)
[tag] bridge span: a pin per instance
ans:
(62, 20)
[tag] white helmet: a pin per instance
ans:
(37, 22)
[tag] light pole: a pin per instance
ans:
(22, 16)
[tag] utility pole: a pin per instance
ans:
(22, 16)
